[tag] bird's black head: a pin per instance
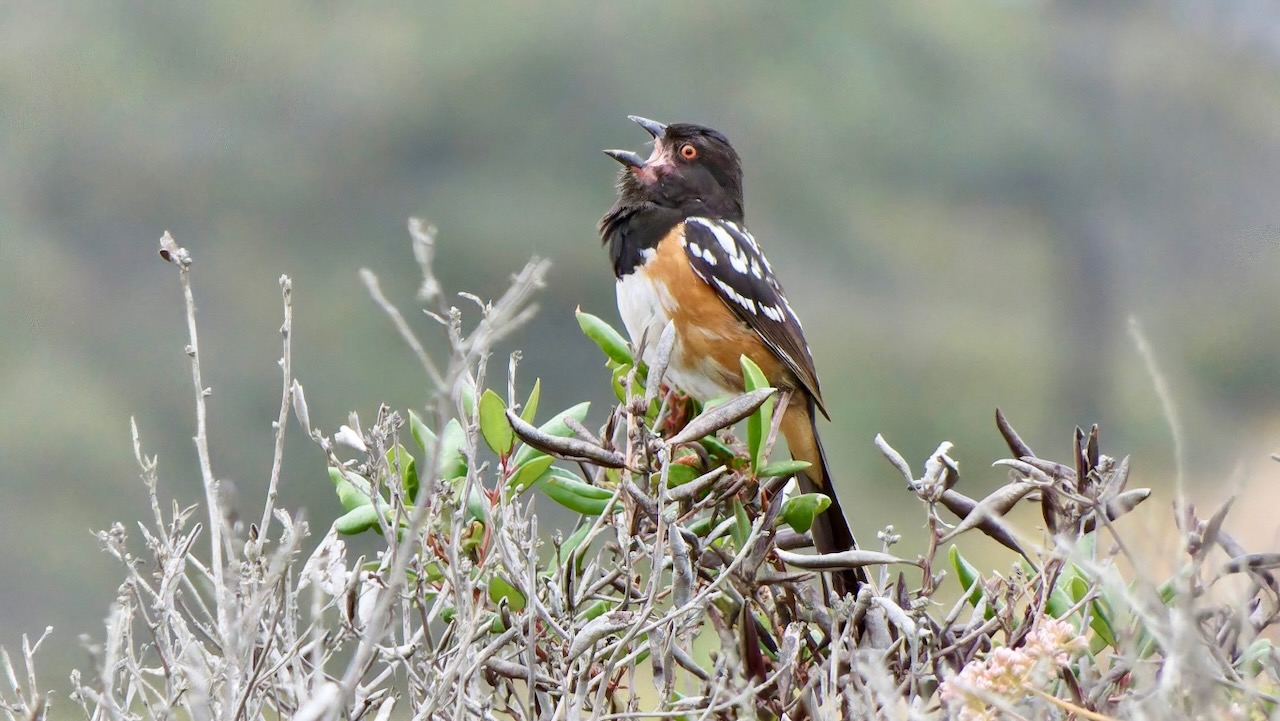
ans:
(693, 171)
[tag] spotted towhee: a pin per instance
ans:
(682, 254)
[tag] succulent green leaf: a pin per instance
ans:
(476, 506)
(1254, 659)
(353, 489)
(1099, 615)
(1059, 602)
(783, 468)
(717, 448)
(619, 374)
(556, 427)
(467, 394)
(603, 334)
(452, 462)
(422, 435)
(594, 610)
(500, 589)
(473, 536)
(758, 423)
(967, 574)
(799, 511)
(752, 377)
(403, 462)
(702, 526)
(678, 474)
(571, 544)
(741, 526)
(409, 476)
(357, 520)
(531, 405)
(432, 572)
(526, 473)
(573, 493)
(494, 426)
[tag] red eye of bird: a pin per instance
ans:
(688, 152)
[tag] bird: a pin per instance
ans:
(682, 254)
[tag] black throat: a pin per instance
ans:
(629, 230)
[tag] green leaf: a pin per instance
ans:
(1077, 586)
(702, 526)
(402, 462)
(531, 405)
(594, 610)
(782, 468)
(758, 423)
(494, 426)
(452, 463)
(410, 479)
(422, 435)
(742, 526)
(619, 390)
(603, 334)
(1099, 616)
(573, 493)
(799, 511)
(526, 473)
(500, 589)
(556, 427)
(678, 474)
(473, 536)
(1254, 659)
(357, 520)
(571, 544)
(967, 574)
(717, 448)
(476, 506)
(353, 489)
(432, 572)
(496, 626)
(1059, 602)
(467, 394)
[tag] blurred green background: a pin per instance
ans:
(966, 202)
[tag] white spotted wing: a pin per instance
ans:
(725, 256)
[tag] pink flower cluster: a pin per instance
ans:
(1008, 674)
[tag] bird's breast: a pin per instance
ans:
(645, 303)
(709, 338)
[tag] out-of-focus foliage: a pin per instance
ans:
(966, 202)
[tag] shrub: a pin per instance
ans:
(678, 593)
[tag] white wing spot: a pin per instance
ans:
(737, 258)
(737, 297)
(755, 268)
(772, 312)
(791, 311)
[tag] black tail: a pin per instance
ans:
(830, 531)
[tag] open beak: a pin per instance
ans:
(656, 129)
(626, 157)
(644, 168)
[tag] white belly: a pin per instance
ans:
(646, 308)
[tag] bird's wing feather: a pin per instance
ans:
(725, 256)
